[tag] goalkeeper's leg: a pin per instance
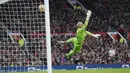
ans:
(71, 40)
(75, 50)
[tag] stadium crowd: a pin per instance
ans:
(63, 20)
(113, 15)
(116, 13)
(94, 51)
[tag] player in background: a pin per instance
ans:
(80, 36)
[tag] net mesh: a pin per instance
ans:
(22, 43)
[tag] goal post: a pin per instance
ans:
(48, 36)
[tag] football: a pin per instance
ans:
(42, 8)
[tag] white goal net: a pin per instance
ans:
(22, 44)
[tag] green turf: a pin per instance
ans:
(127, 70)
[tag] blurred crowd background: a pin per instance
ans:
(25, 18)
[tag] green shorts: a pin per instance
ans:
(77, 45)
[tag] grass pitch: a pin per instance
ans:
(125, 70)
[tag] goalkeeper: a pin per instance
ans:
(80, 37)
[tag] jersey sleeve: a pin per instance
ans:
(88, 33)
(85, 25)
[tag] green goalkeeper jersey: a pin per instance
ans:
(81, 33)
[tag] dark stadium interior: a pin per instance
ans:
(25, 18)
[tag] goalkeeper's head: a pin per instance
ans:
(79, 24)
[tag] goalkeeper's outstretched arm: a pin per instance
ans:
(87, 19)
(93, 35)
